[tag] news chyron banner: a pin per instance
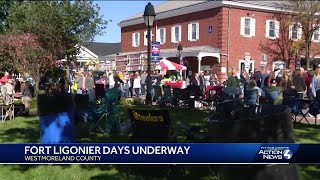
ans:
(158, 153)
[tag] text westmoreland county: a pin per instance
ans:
(107, 150)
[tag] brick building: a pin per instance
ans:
(215, 35)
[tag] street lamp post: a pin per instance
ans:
(180, 48)
(149, 16)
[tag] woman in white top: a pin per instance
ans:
(137, 84)
(206, 79)
(111, 80)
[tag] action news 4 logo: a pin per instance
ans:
(273, 153)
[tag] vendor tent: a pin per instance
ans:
(168, 65)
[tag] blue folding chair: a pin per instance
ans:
(107, 113)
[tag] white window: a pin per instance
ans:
(246, 66)
(145, 39)
(176, 34)
(161, 35)
(136, 39)
(247, 27)
(272, 29)
(193, 31)
(295, 31)
(316, 34)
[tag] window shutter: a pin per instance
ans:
(267, 28)
(138, 39)
(180, 33)
(172, 34)
(290, 31)
(158, 35)
(164, 35)
(189, 31)
(253, 27)
(312, 39)
(198, 28)
(133, 40)
(277, 28)
(151, 34)
(242, 26)
(145, 40)
(299, 31)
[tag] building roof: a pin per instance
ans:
(175, 8)
(103, 49)
(167, 6)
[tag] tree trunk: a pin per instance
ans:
(68, 69)
(308, 54)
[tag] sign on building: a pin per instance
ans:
(263, 60)
(247, 58)
(210, 29)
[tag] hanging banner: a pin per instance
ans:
(298, 63)
(155, 51)
(134, 59)
(121, 62)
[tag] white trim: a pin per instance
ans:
(190, 31)
(134, 44)
(312, 39)
(89, 52)
(158, 38)
(203, 54)
(173, 34)
(299, 31)
(276, 29)
(244, 61)
(252, 27)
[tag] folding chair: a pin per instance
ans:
(315, 107)
(7, 107)
(106, 115)
(150, 126)
(181, 96)
(294, 104)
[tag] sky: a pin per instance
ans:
(118, 11)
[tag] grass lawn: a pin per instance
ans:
(26, 130)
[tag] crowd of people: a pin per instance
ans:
(134, 84)
(11, 87)
(304, 83)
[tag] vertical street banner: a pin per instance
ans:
(298, 63)
(155, 52)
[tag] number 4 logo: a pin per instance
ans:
(287, 154)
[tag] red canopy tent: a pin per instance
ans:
(169, 65)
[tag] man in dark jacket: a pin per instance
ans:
(202, 81)
(257, 76)
(298, 82)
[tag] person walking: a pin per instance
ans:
(315, 83)
(27, 95)
(298, 82)
(126, 85)
(137, 84)
(143, 82)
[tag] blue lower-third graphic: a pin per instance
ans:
(287, 154)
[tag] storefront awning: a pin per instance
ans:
(195, 51)
(168, 65)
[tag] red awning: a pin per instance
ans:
(168, 65)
